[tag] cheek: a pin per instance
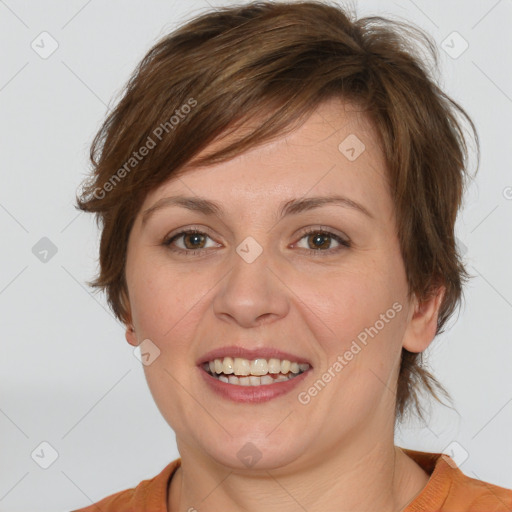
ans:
(360, 350)
(357, 319)
(162, 301)
(348, 302)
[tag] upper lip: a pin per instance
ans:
(251, 354)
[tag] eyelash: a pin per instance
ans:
(344, 244)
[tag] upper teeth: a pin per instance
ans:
(241, 366)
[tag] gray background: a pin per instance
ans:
(69, 378)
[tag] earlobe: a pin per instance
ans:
(130, 335)
(422, 326)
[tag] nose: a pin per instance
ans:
(252, 293)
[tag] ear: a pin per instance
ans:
(130, 334)
(422, 325)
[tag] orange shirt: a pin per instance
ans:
(448, 490)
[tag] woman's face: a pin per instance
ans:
(255, 279)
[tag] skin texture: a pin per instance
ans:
(339, 447)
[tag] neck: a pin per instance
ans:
(382, 478)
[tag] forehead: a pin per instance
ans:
(335, 150)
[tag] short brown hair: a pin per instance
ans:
(276, 62)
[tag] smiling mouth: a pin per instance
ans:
(256, 372)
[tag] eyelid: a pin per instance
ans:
(302, 231)
(193, 227)
(322, 228)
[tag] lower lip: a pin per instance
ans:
(251, 394)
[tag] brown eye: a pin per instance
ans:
(192, 240)
(319, 241)
(196, 240)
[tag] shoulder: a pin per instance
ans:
(477, 495)
(450, 489)
(150, 494)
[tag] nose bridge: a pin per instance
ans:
(251, 289)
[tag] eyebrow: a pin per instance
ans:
(292, 207)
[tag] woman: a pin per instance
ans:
(277, 191)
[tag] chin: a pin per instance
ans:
(253, 453)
